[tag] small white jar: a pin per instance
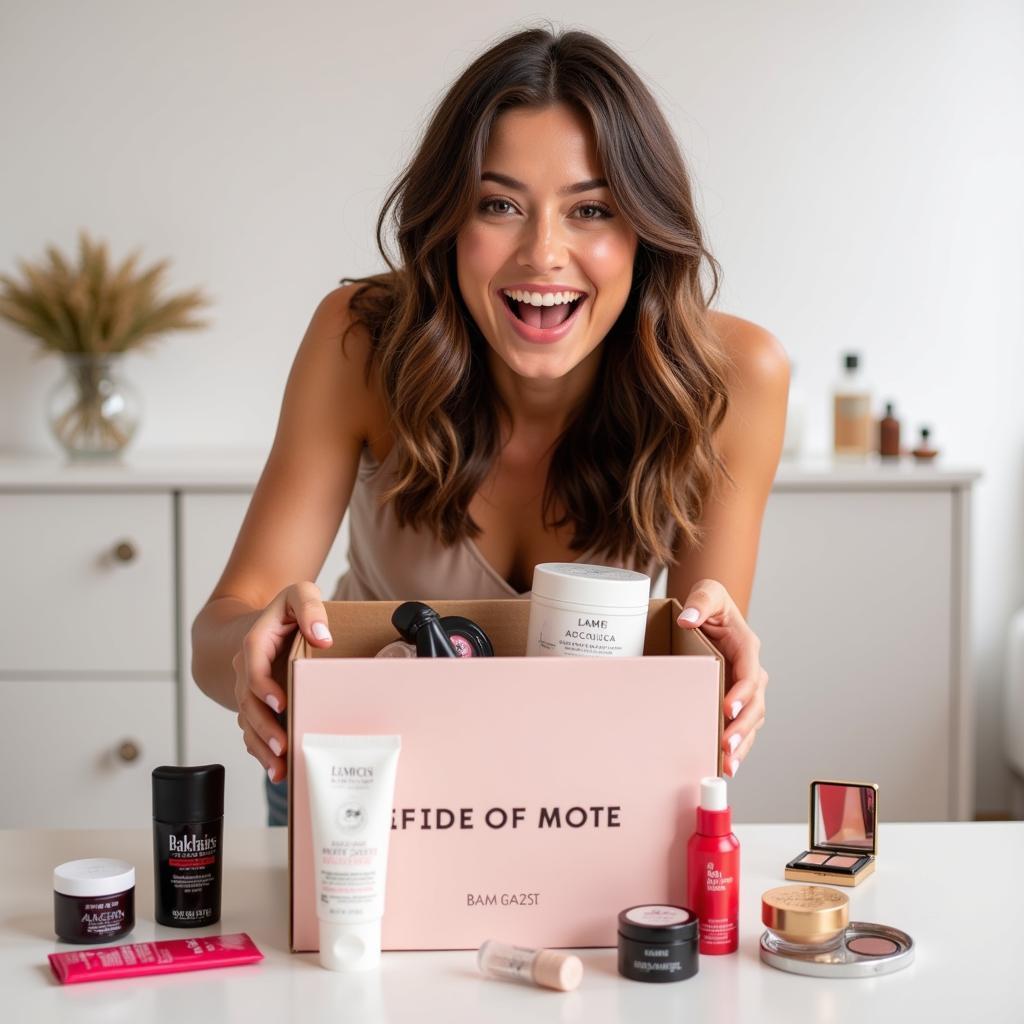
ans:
(587, 611)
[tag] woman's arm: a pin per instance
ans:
(749, 442)
(301, 497)
(714, 582)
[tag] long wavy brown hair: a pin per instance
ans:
(633, 469)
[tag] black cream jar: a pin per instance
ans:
(93, 900)
(658, 943)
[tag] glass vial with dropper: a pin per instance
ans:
(547, 968)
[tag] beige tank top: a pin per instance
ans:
(388, 562)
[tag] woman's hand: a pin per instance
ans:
(710, 607)
(258, 694)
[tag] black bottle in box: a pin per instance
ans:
(188, 820)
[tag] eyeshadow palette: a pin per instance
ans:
(843, 834)
(864, 951)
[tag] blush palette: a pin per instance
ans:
(843, 834)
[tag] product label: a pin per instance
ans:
(189, 871)
(656, 966)
(504, 899)
(852, 407)
(719, 904)
(715, 880)
(584, 635)
(102, 917)
(348, 861)
(191, 851)
(443, 818)
(852, 423)
(657, 915)
(515, 963)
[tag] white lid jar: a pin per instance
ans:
(579, 610)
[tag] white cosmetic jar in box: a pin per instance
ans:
(587, 611)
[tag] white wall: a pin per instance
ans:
(859, 168)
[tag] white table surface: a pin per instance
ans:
(955, 887)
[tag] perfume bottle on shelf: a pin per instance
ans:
(851, 411)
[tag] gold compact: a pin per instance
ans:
(844, 835)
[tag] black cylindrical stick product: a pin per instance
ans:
(188, 821)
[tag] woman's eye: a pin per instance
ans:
(599, 210)
(488, 205)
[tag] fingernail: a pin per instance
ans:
(320, 631)
(690, 615)
(735, 708)
(270, 774)
(734, 742)
(734, 766)
(275, 745)
(273, 702)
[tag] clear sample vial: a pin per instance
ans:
(545, 967)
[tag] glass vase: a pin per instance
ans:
(92, 410)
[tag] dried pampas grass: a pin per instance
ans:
(93, 308)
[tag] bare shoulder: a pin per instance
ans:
(756, 357)
(333, 327)
(338, 358)
(758, 387)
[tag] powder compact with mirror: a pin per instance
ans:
(843, 834)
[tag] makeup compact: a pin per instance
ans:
(843, 835)
(809, 932)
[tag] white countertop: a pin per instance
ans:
(954, 887)
(230, 469)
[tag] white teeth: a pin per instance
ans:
(549, 299)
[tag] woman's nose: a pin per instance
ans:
(543, 246)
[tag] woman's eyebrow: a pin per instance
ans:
(567, 190)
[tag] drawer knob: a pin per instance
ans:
(128, 751)
(125, 551)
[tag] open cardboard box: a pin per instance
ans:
(572, 782)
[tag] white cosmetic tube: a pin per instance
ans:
(351, 782)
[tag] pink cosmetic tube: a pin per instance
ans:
(167, 957)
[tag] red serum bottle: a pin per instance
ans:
(713, 871)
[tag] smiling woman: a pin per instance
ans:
(549, 300)
(537, 377)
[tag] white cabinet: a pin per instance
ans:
(858, 604)
(96, 579)
(82, 751)
(859, 599)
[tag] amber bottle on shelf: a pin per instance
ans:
(889, 434)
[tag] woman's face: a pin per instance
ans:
(531, 227)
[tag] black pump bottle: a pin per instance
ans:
(420, 625)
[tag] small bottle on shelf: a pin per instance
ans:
(924, 452)
(851, 411)
(889, 434)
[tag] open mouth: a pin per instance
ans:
(542, 317)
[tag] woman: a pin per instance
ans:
(540, 378)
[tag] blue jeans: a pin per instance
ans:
(277, 792)
(277, 801)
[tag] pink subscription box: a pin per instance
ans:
(570, 783)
